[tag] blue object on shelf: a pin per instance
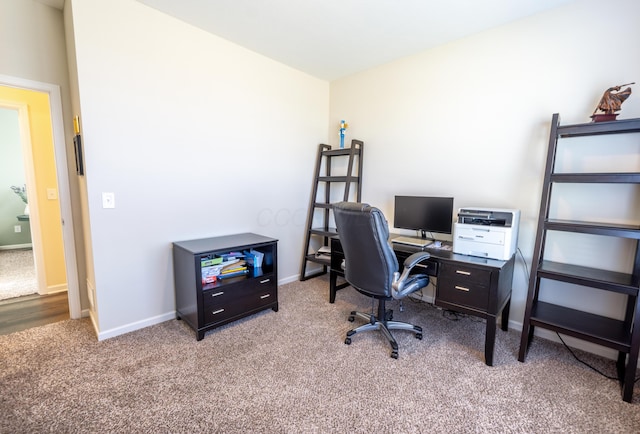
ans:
(343, 126)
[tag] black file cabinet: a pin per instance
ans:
(205, 306)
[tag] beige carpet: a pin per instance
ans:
(17, 273)
(290, 372)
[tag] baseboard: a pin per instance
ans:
(289, 279)
(17, 246)
(117, 331)
(54, 289)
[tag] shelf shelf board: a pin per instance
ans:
(607, 229)
(597, 329)
(598, 128)
(597, 178)
(324, 232)
(340, 151)
(338, 178)
(593, 277)
(323, 261)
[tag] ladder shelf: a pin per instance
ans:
(326, 187)
(622, 335)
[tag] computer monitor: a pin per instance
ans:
(424, 214)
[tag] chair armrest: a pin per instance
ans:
(412, 260)
(398, 289)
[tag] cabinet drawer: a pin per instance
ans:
(474, 296)
(234, 299)
(466, 275)
(466, 286)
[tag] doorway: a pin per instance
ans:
(61, 192)
(17, 265)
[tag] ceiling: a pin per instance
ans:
(330, 39)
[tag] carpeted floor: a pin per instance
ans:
(17, 273)
(290, 372)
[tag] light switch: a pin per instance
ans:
(108, 200)
(52, 193)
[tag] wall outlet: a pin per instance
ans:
(52, 193)
(108, 200)
(17, 228)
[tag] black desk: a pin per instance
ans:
(475, 286)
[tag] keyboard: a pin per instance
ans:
(417, 242)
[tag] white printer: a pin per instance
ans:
(486, 232)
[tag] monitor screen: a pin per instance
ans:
(423, 213)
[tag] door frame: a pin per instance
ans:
(64, 193)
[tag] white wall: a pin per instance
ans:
(196, 137)
(471, 119)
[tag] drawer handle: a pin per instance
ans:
(217, 294)
(462, 288)
(265, 296)
(217, 311)
(265, 280)
(466, 273)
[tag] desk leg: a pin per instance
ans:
(333, 280)
(504, 321)
(490, 340)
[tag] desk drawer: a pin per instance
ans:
(231, 300)
(467, 275)
(466, 286)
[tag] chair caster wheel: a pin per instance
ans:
(389, 315)
(347, 341)
(351, 319)
(419, 336)
(394, 354)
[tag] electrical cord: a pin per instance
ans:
(582, 361)
(527, 276)
(526, 268)
(588, 365)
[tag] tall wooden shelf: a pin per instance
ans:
(621, 335)
(328, 186)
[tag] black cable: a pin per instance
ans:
(586, 364)
(526, 269)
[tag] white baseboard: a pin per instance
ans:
(117, 331)
(289, 279)
(17, 246)
(54, 289)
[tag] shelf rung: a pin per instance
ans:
(597, 329)
(615, 230)
(596, 128)
(593, 277)
(597, 178)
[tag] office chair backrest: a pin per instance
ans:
(369, 257)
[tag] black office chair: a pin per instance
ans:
(371, 267)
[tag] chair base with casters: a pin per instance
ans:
(384, 326)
